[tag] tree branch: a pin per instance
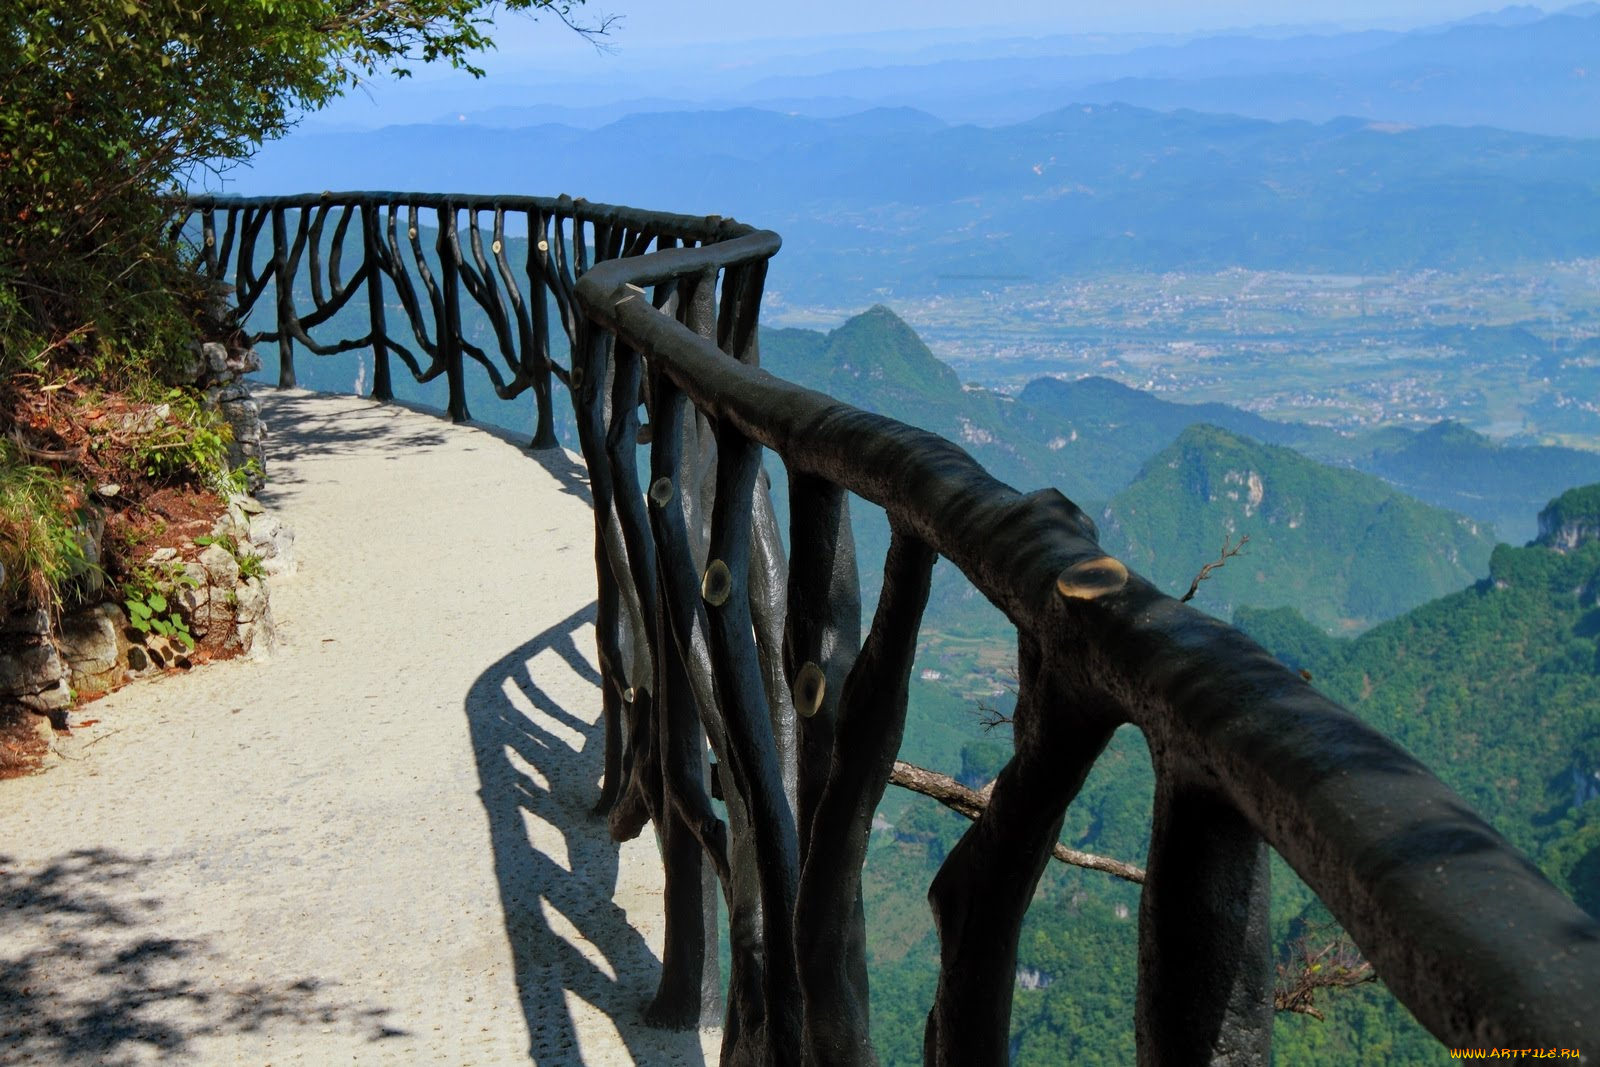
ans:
(957, 797)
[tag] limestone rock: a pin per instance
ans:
(252, 601)
(216, 358)
(1571, 520)
(32, 674)
(256, 632)
(26, 621)
(243, 413)
(273, 542)
(221, 569)
(194, 604)
(89, 644)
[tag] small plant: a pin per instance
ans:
(231, 482)
(149, 610)
(184, 440)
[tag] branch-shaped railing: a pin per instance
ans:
(708, 637)
(305, 255)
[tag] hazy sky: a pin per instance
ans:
(678, 48)
(681, 21)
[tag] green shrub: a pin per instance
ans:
(108, 105)
(188, 440)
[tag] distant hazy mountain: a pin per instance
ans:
(1516, 68)
(1129, 425)
(1453, 467)
(895, 200)
(1341, 546)
(1540, 76)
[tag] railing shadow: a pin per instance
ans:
(299, 425)
(536, 733)
(88, 974)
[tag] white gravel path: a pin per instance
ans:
(375, 847)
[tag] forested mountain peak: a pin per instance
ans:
(878, 345)
(1344, 547)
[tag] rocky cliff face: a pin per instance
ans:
(1571, 520)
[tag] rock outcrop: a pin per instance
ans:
(1571, 519)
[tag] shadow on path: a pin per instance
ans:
(302, 426)
(539, 764)
(89, 975)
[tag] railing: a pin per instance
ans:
(707, 636)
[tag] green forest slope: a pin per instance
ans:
(1344, 547)
(1497, 688)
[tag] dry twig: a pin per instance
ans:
(1221, 561)
(1333, 964)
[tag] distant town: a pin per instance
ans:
(1514, 354)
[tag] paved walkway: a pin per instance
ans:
(375, 847)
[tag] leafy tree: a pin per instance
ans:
(108, 104)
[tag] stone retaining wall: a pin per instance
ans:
(96, 648)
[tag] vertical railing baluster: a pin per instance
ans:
(319, 218)
(985, 884)
(1205, 950)
(283, 286)
(689, 991)
(737, 335)
(449, 249)
(532, 344)
(752, 746)
(615, 489)
(829, 920)
(208, 242)
(224, 249)
(590, 368)
(544, 435)
(730, 850)
(823, 629)
(382, 385)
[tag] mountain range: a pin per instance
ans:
(1518, 69)
(897, 201)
